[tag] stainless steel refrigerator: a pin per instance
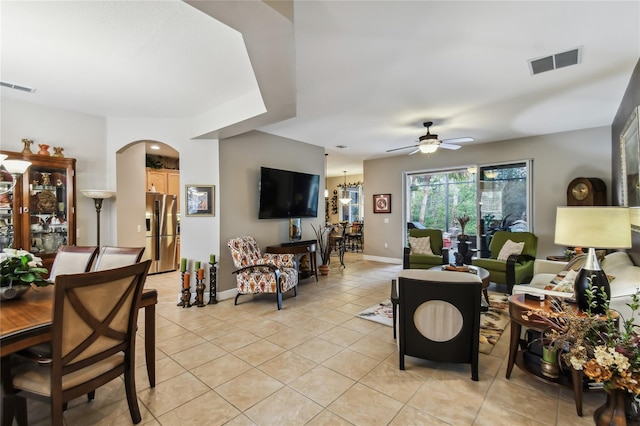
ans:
(162, 232)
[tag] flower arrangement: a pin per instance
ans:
(21, 267)
(322, 235)
(595, 344)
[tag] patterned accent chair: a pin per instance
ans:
(271, 273)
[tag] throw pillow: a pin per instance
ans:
(420, 245)
(510, 248)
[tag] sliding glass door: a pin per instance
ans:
(494, 197)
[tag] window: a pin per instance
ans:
(437, 198)
(354, 211)
(498, 197)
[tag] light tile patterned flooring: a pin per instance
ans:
(313, 363)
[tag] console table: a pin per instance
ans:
(300, 249)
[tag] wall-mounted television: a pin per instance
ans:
(286, 194)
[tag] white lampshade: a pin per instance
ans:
(345, 200)
(98, 193)
(428, 148)
(593, 227)
(16, 167)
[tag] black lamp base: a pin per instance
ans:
(598, 280)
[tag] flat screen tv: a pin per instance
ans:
(286, 194)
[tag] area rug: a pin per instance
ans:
(492, 322)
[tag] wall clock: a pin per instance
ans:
(587, 192)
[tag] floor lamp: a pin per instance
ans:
(593, 227)
(98, 195)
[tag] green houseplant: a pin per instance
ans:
(20, 269)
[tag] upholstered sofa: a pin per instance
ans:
(625, 282)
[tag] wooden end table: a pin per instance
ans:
(518, 305)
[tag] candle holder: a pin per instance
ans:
(200, 293)
(186, 298)
(212, 283)
(181, 302)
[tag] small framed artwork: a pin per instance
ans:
(200, 200)
(382, 203)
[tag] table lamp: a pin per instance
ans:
(593, 227)
(98, 195)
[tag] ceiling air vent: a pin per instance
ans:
(553, 62)
(17, 87)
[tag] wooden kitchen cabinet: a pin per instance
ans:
(165, 181)
(39, 214)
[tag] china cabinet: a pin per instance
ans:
(38, 214)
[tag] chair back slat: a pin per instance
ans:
(116, 257)
(72, 260)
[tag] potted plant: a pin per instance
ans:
(19, 269)
(462, 221)
(324, 248)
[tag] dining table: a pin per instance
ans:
(26, 322)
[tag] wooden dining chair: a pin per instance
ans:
(92, 343)
(115, 257)
(72, 260)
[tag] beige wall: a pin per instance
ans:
(240, 160)
(83, 137)
(557, 159)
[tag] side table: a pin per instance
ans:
(299, 248)
(518, 305)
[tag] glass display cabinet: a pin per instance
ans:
(38, 214)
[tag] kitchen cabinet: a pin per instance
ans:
(165, 181)
(39, 214)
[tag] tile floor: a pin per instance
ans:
(313, 363)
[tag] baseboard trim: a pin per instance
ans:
(393, 260)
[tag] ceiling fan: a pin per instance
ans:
(429, 143)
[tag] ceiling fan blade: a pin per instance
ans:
(404, 147)
(449, 146)
(415, 151)
(458, 140)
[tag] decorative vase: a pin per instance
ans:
(57, 151)
(27, 147)
(549, 365)
(612, 412)
(324, 269)
(44, 149)
(16, 291)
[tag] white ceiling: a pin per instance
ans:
(368, 73)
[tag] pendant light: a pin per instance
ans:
(345, 199)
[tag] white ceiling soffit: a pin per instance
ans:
(152, 59)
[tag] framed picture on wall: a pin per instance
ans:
(382, 203)
(200, 200)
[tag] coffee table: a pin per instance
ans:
(481, 272)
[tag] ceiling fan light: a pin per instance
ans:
(345, 200)
(428, 148)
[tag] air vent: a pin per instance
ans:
(342, 147)
(553, 62)
(17, 87)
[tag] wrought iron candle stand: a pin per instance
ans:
(212, 283)
(181, 302)
(185, 299)
(200, 292)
